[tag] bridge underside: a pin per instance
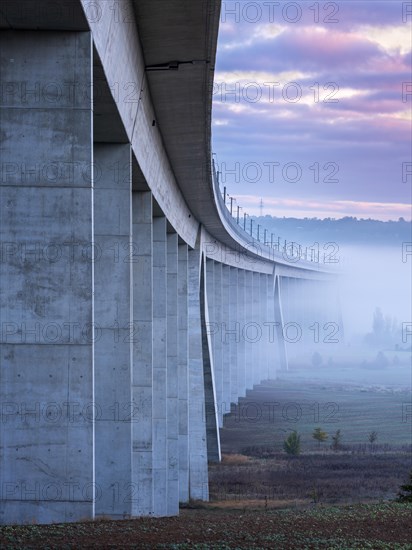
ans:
(130, 320)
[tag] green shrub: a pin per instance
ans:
(319, 435)
(291, 445)
(405, 494)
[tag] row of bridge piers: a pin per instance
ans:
(122, 419)
(127, 327)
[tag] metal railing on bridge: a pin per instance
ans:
(246, 227)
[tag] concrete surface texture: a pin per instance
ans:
(133, 312)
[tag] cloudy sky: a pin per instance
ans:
(312, 107)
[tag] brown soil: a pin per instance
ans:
(363, 526)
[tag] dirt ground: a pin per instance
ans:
(377, 526)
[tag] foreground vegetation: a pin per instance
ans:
(311, 478)
(328, 496)
(311, 442)
(379, 527)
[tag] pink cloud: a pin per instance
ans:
(367, 133)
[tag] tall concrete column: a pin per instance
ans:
(198, 472)
(284, 290)
(295, 333)
(311, 337)
(46, 303)
(256, 330)
(212, 421)
(264, 343)
(287, 312)
(183, 372)
(142, 375)
(160, 455)
(302, 291)
(210, 290)
(247, 330)
(226, 392)
(283, 359)
(114, 333)
(298, 315)
(214, 296)
(233, 335)
(172, 377)
(217, 341)
(273, 346)
(241, 356)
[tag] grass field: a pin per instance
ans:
(299, 482)
(269, 412)
(255, 466)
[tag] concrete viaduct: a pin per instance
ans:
(133, 309)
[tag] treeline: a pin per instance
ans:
(344, 230)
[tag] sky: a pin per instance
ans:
(312, 107)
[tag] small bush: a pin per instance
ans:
(405, 494)
(291, 445)
(319, 435)
(337, 441)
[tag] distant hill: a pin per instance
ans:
(346, 230)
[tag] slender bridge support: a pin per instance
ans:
(132, 314)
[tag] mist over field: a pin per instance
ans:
(375, 277)
(373, 260)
